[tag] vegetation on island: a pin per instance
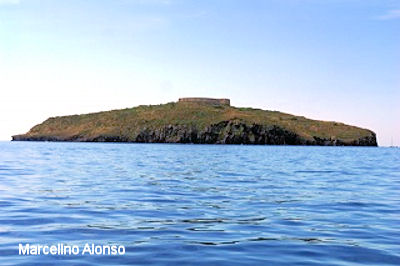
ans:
(193, 122)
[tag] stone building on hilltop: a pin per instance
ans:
(207, 100)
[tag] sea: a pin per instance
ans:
(183, 204)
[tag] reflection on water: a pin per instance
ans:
(210, 204)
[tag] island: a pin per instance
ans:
(198, 121)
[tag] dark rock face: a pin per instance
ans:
(224, 132)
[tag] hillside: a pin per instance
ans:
(195, 122)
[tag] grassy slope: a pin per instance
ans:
(128, 122)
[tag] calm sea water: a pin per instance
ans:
(201, 204)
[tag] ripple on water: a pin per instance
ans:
(201, 204)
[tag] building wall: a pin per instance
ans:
(206, 100)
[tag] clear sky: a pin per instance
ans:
(324, 59)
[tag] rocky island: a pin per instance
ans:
(198, 120)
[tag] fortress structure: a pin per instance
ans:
(206, 100)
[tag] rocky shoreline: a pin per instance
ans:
(224, 132)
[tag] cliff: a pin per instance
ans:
(197, 122)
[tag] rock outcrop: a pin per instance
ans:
(198, 124)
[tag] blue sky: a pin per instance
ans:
(324, 59)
